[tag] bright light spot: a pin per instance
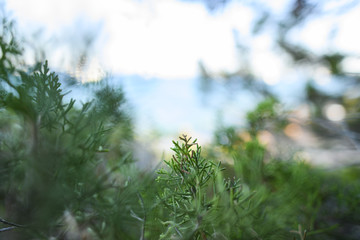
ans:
(351, 65)
(334, 112)
(322, 76)
(245, 136)
(293, 130)
(303, 112)
(269, 67)
(265, 137)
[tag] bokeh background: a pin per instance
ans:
(198, 67)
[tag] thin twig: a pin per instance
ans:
(7, 229)
(13, 225)
(10, 223)
(142, 237)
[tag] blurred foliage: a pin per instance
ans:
(55, 176)
(67, 172)
(267, 112)
(284, 26)
(292, 196)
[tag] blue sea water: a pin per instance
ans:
(170, 107)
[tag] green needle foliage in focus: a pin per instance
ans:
(200, 203)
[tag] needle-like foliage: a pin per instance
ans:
(202, 204)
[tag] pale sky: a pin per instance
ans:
(163, 39)
(167, 38)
